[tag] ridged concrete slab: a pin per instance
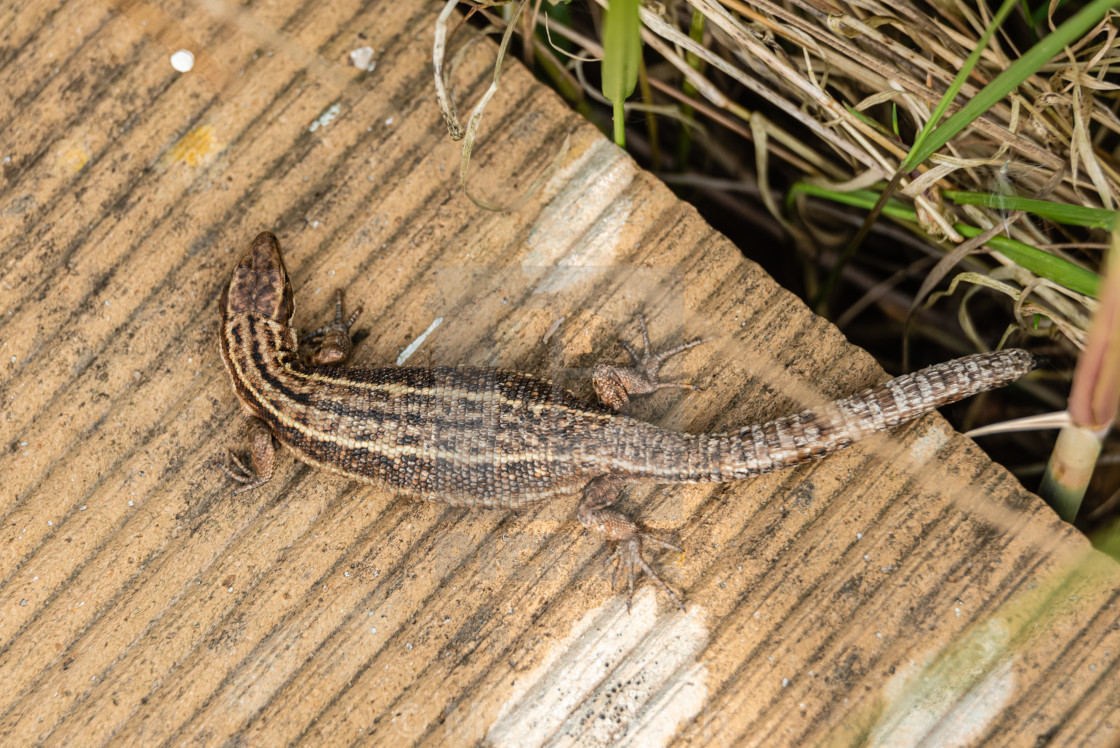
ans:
(905, 591)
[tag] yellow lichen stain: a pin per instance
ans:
(72, 157)
(194, 147)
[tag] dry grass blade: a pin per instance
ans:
(830, 70)
(469, 134)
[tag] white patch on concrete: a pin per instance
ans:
(414, 345)
(951, 699)
(927, 445)
(617, 679)
(326, 117)
(580, 228)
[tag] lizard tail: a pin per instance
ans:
(813, 433)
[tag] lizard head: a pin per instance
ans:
(260, 283)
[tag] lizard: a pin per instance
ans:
(506, 439)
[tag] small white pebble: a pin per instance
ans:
(362, 58)
(182, 60)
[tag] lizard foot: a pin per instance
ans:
(242, 473)
(628, 559)
(615, 385)
(336, 344)
(596, 516)
(262, 459)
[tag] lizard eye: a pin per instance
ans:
(286, 308)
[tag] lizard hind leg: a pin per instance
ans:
(628, 559)
(615, 385)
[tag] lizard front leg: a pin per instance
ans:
(336, 344)
(334, 348)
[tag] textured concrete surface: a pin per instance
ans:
(904, 591)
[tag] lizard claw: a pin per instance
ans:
(262, 458)
(628, 559)
(612, 525)
(241, 473)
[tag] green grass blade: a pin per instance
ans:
(865, 199)
(1063, 213)
(622, 51)
(1041, 263)
(1037, 261)
(954, 88)
(1009, 79)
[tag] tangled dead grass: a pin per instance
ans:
(838, 91)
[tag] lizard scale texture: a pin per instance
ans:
(499, 438)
